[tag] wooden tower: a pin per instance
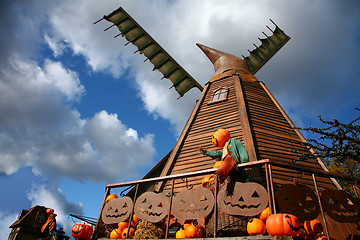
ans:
(233, 99)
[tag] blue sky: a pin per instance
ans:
(78, 110)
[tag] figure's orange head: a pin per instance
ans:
(220, 137)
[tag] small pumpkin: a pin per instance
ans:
(49, 211)
(82, 231)
(123, 225)
(218, 164)
(110, 197)
(180, 234)
(191, 231)
(312, 227)
(124, 232)
(200, 232)
(220, 137)
(282, 224)
(116, 234)
(265, 214)
(207, 180)
(255, 226)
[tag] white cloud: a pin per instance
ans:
(6, 220)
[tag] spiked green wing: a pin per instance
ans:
(270, 45)
(162, 61)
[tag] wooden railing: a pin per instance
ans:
(266, 163)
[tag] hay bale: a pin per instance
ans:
(148, 230)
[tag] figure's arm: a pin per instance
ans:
(211, 153)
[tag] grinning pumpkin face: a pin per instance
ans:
(220, 137)
(248, 199)
(282, 224)
(152, 207)
(193, 204)
(117, 210)
(340, 206)
(299, 200)
(82, 231)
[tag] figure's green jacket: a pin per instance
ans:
(234, 148)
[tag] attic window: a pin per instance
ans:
(220, 94)
(41, 217)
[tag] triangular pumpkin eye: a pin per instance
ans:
(160, 205)
(144, 201)
(241, 199)
(203, 198)
(125, 205)
(255, 194)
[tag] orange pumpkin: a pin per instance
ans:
(220, 137)
(180, 234)
(200, 232)
(206, 181)
(256, 226)
(191, 231)
(111, 197)
(82, 231)
(312, 227)
(135, 219)
(218, 164)
(265, 214)
(124, 232)
(49, 211)
(123, 225)
(116, 234)
(282, 224)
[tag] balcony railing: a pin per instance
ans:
(266, 164)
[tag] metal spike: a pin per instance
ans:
(109, 27)
(255, 45)
(272, 22)
(117, 35)
(243, 56)
(265, 34)
(98, 21)
(269, 29)
(146, 59)
(171, 87)
(249, 51)
(127, 43)
(162, 78)
(178, 98)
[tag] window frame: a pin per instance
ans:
(226, 94)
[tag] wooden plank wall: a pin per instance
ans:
(209, 118)
(274, 136)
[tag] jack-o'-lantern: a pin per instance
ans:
(152, 207)
(298, 200)
(193, 204)
(265, 214)
(82, 231)
(313, 226)
(117, 210)
(255, 226)
(282, 224)
(247, 199)
(340, 206)
(220, 137)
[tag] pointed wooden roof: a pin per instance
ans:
(250, 113)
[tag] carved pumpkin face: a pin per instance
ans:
(248, 199)
(117, 210)
(220, 137)
(299, 200)
(282, 224)
(82, 231)
(340, 206)
(193, 204)
(151, 206)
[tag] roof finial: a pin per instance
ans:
(223, 61)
